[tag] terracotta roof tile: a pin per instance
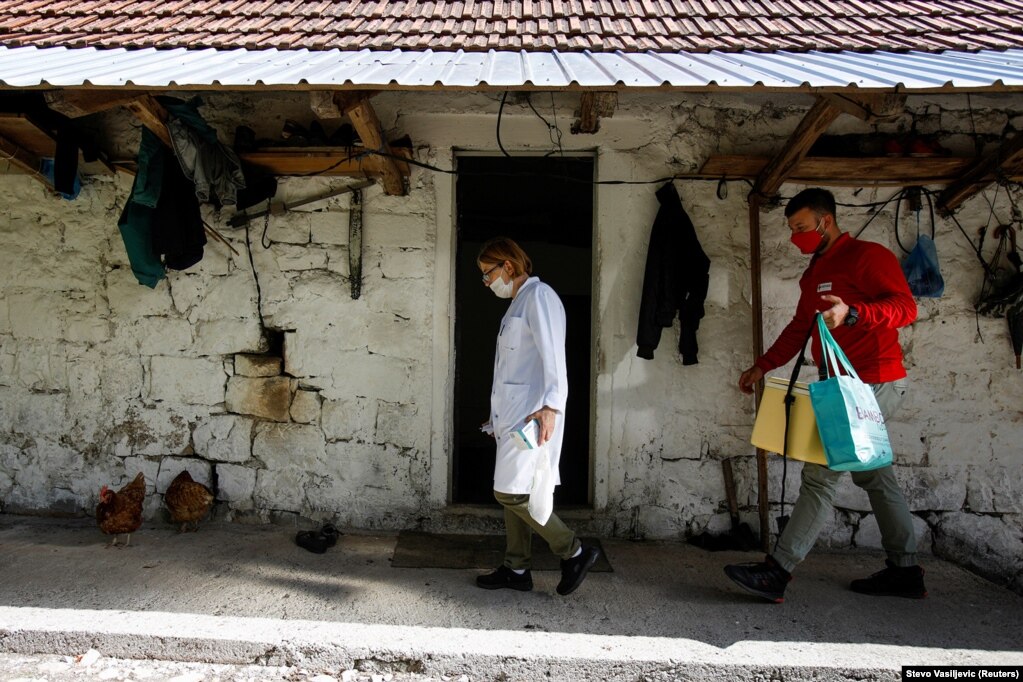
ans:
(572, 25)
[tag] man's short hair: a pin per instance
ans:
(818, 200)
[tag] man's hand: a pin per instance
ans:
(545, 416)
(835, 315)
(749, 379)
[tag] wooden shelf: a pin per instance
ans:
(320, 161)
(836, 171)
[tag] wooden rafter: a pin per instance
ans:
(367, 125)
(845, 171)
(146, 109)
(78, 103)
(816, 121)
(152, 115)
(1007, 159)
(868, 107)
(593, 106)
(21, 159)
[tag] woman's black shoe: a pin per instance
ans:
(574, 570)
(505, 577)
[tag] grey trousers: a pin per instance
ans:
(817, 493)
(519, 526)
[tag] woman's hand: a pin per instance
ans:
(546, 417)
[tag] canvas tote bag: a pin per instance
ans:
(849, 420)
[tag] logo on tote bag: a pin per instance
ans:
(869, 415)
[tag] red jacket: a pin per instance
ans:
(865, 275)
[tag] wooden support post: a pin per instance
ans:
(1006, 159)
(355, 244)
(592, 106)
(816, 121)
(367, 125)
(152, 115)
(756, 290)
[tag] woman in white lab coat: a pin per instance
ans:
(527, 419)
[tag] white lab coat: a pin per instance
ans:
(529, 373)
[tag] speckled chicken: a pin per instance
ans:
(187, 501)
(121, 512)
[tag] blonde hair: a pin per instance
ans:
(501, 249)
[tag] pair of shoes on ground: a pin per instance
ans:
(573, 572)
(318, 541)
(768, 579)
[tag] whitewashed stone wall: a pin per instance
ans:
(101, 378)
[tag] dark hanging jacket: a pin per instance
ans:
(675, 281)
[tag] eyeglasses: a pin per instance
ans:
(486, 275)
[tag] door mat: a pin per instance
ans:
(438, 550)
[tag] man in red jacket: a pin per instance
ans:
(863, 296)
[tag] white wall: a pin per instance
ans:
(100, 377)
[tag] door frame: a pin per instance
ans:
(442, 413)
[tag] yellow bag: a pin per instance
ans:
(769, 428)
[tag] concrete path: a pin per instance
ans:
(235, 594)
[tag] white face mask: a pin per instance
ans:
(501, 288)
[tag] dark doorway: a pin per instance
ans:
(546, 205)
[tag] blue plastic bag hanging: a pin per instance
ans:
(849, 420)
(922, 271)
(921, 264)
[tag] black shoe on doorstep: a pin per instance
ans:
(893, 581)
(505, 577)
(765, 579)
(574, 570)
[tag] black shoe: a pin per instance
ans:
(574, 570)
(765, 579)
(893, 581)
(318, 541)
(505, 577)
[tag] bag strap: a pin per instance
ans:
(834, 356)
(789, 399)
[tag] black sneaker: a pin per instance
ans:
(893, 581)
(505, 577)
(765, 579)
(574, 570)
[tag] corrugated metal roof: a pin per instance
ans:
(25, 67)
(535, 25)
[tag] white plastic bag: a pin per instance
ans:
(541, 493)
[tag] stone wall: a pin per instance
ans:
(297, 402)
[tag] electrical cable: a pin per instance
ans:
(500, 111)
(881, 204)
(557, 129)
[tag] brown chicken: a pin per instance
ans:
(187, 501)
(121, 512)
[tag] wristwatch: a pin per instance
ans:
(852, 317)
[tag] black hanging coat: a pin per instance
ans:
(675, 281)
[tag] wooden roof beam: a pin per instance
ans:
(1007, 159)
(821, 115)
(146, 109)
(78, 103)
(868, 107)
(152, 115)
(592, 106)
(367, 125)
(332, 104)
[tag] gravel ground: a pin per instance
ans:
(94, 666)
